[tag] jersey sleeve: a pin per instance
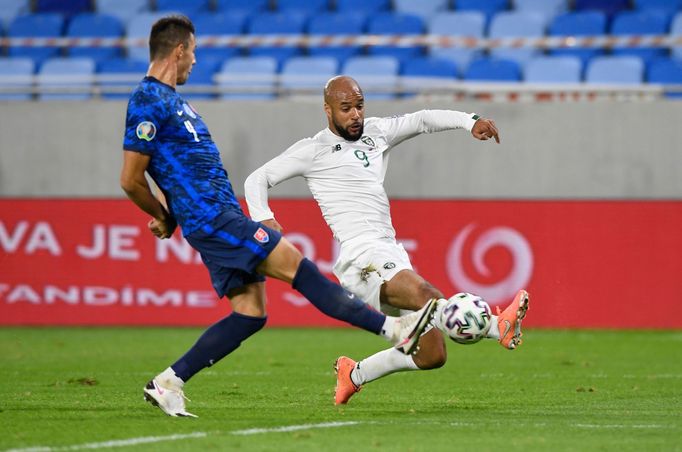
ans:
(295, 161)
(400, 128)
(145, 117)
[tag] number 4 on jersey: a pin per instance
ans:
(190, 129)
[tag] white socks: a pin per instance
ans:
(169, 380)
(388, 328)
(494, 331)
(380, 364)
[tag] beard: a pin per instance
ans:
(347, 135)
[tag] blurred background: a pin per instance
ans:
(580, 203)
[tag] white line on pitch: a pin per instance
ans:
(292, 428)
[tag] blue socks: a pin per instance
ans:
(218, 341)
(333, 300)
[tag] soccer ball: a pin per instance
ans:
(464, 317)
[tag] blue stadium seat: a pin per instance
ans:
(669, 7)
(463, 24)
(487, 7)
(189, 8)
(139, 27)
(377, 75)
(201, 80)
(640, 23)
(336, 24)
(248, 6)
(396, 23)
(95, 25)
(666, 71)
(676, 29)
(65, 74)
(615, 70)
(10, 9)
(493, 70)
(16, 73)
(609, 7)
(257, 74)
(423, 8)
(36, 26)
(516, 24)
(553, 69)
(215, 24)
(119, 76)
(123, 9)
(418, 72)
(276, 23)
(304, 6)
(308, 73)
(65, 8)
(362, 6)
(548, 8)
(586, 23)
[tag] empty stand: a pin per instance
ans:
(41, 25)
(516, 24)
(217, 24)
(251, 78)
(189, 8)
(487, 7)
(640, 23)
(396, 23)
(615, 70)
(123, 9)
(493, 70)
(276, 23)
(423, 8)
(64, 75)
(308, 73)
(139, 27)
(95, 26)
(119, 76)
(463, 24)
(349, 24)
(16, 73)
(586, 23)
(553, 69)
(377, 75)
(364, 6)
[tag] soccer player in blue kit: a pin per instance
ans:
(167, 139)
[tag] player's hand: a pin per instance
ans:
(163, 229)
(485, 129)
(272, 224)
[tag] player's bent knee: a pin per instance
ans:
(282, 263)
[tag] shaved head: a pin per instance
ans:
(344, 104)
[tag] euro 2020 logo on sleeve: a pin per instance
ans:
(500, 290)
(146, 130)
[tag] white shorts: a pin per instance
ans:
(363, 268)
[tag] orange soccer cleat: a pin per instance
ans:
(345, 388)
(509, 320)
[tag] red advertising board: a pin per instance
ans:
(586, 264)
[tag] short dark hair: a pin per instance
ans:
(167, 33)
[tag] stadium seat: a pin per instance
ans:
(276, 23)
(200, 84)
(362, 6)
(10, 9)
(487, 7)
(303, 6)
(553, 69)
(423, 8)
(377, 75)
(469, 24)
(669, 7)
(666, 71)
(66, 74)
(516, 24)
(123, 9)
(420, 72)
(308, 73)
(615, 70)
(41, 25)
(189, 8)
(16, 73)
(65, 8)
(216, 24)
(548, 8)
(254, 74)
(586, 23)
(139, 27)
(640, 23)
(676, 30)
(608, 7)
(350, 24)
(118, 77)
(493, 70)
(395, 23)
(248, 6)
(95, 25)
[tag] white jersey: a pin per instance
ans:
(346, 177)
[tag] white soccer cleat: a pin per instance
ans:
(170, 401)
(410, 327)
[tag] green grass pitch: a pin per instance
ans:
(81, 389)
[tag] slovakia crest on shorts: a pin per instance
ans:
(261, 235)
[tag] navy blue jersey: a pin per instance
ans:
(185, 162)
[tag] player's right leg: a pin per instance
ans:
(286, 263)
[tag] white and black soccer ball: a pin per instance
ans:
(464, 317)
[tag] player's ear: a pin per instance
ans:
(328, 110)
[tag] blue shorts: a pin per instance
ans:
(232, 246)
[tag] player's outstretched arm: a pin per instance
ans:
(485, 129)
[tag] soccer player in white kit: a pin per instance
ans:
(344, 166)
